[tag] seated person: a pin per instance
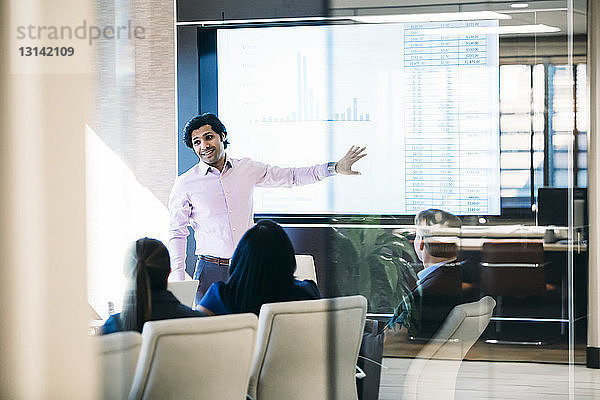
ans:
(147, 268)
(262, 271)
(438, 288)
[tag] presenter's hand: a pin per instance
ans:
(344, 166)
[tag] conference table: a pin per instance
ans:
(560, 255)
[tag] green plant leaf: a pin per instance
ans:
(391, 271)
(364, 279)
(408, 268)
(370, 236)
(354, 235)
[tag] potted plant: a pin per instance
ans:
(375, 262)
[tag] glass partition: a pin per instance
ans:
(530, 257)
(475, 111)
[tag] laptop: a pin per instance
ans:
(185, 291)
(305, 267)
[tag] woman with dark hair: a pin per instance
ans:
(147, 267)
(262, 271)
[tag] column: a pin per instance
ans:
(593, 57)
(44, 347)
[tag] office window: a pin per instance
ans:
(522, 95)
(525, 110)
(582, 124)
(560, 121)
(568, 120)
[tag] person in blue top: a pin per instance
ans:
(262, 271)
(147, 267)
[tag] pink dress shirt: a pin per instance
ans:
(218, 206)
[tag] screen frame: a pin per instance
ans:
(203, 50)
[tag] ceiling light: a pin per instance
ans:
(500, 30)
(437, 17)
(519, 5)
(398, 18)
(235, 22)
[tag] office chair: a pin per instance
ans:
(195, 358)
(307, 350)
(432, 374)
(513, 269)
(118, 355)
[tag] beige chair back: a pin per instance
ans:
(432, 374)
(195, 358)
(305, 267)
(307, 350)
(118, 354)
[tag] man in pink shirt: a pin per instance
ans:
(214, 197)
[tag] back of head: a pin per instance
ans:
(262, 269)
(147, 267)
(440, 231)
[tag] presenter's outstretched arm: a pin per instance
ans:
(344, 165)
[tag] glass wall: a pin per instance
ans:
(528, 257)
(477, 109)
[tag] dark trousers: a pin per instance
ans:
(208, 273)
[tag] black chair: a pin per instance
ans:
(514, 271)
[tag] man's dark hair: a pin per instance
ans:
(201, 120)
(262, 269)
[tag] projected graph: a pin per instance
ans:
(308, 109)
(422, 97)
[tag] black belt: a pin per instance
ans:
(215, 260)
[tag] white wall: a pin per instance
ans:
(132, 161)
(133, 108)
